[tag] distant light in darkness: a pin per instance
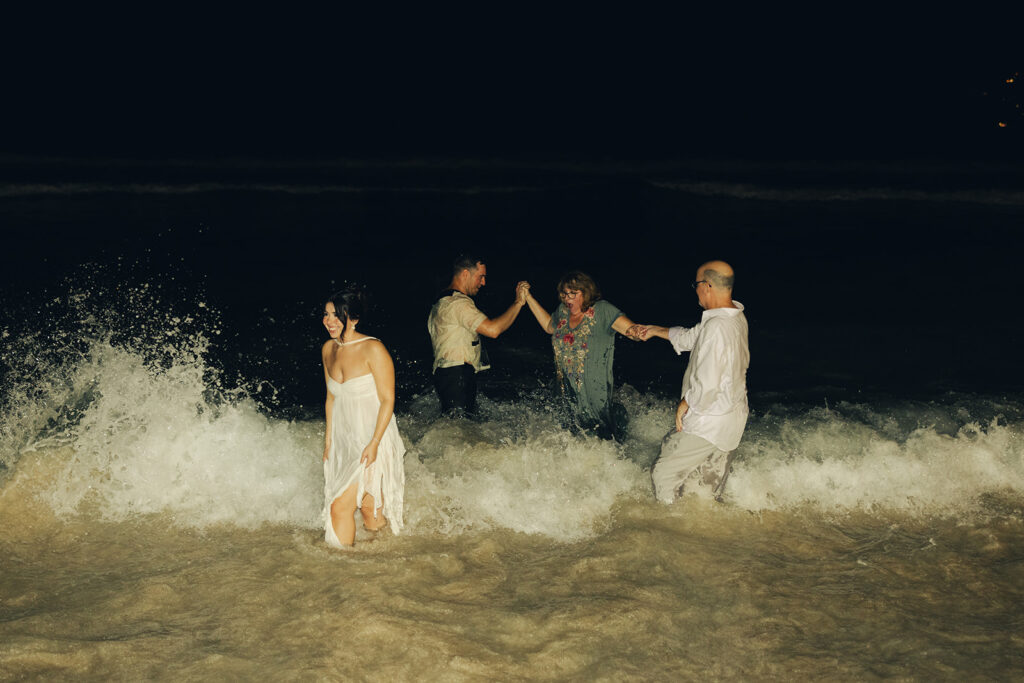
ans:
(1004, 102)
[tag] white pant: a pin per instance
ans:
(690, 462)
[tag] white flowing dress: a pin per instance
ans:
(353, 419)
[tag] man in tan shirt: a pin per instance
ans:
(455, 325)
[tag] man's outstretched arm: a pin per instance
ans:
(492, 328)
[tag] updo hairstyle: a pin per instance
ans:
(349, 304)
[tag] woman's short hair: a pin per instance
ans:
(577, 279)
(349, 303)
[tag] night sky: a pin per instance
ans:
(628, 86)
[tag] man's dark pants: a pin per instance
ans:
(456, 387)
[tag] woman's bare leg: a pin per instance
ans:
(369, 522)
(343, 510)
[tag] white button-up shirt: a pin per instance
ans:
(715, 381)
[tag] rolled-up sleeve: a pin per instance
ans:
(682, 338)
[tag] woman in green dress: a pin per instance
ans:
(582, 330)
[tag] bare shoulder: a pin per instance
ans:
(327, 347)
(377, 356)
(375, 349)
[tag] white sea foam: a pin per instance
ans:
(151, 441)
(550, 483)
(145, 438)
(825, 459)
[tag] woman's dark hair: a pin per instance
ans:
(576, 279)
(349, 303)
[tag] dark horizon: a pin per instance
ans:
(607, 107)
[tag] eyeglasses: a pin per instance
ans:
(694, 285)
(570, 294)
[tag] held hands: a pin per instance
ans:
(638, 332)
(681, 410)
(647, 332)
(369, 455)
(522, 291)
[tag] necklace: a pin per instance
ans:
(354, 341)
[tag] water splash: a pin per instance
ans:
(142, 423)
(862, 458)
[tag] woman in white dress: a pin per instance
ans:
(362, 449)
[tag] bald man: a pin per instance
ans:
(712, 412)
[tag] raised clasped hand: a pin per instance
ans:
(522, 289)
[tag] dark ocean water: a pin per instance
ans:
(161, 424)
(881, 277)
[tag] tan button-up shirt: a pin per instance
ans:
(452, 326)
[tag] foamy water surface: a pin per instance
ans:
(156, 528)
(160, 461)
